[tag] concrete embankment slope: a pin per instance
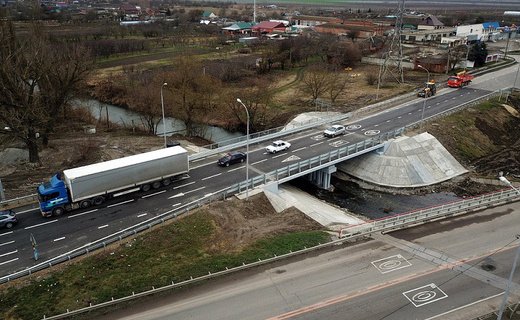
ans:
(407, 162)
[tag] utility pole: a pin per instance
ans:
(395, 66)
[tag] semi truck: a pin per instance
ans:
(460, 80)
(93, 184)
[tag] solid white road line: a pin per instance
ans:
(254, 163)
(80, 214)
(1, 263)
(465, 306)
(213, 176)
(28, 210)
(194, 190)
(236, 169)
(8, 253)
(120, 203)
(41, 224)
(152, 194)
(6, 243)
(303, 148)
(183, 185)
(280, 155)
(103, 226)
(58, 239)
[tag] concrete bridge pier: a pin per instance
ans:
(321, 178)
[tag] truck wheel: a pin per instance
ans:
(58, 211)
(98, 200)
(156, 185)
(166, 182)
(84, 204)
(145, 187)
(9, 225)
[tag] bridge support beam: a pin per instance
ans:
(321, 178)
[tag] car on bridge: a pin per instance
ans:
(334, 131)
(278, 145)
(232, 158)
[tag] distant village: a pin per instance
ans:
(423, 35)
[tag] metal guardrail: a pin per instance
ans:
(18, 202)
(471, 103)
(424, 215)
(266, 135)
(387, 224)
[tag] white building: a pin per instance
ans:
(482, 31)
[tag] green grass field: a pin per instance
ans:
(174, 252)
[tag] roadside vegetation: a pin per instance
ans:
(483, 138)
(208, 240)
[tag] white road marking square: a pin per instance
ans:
(391, 263)
(425, 295)
(318, 137)
(338, 143)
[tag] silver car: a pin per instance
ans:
(334, 131)
(7, 219)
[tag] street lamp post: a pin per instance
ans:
(510, 280)
(162, 107)
(247, 148)
(424, 102)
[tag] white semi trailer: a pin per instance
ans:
(90, 185)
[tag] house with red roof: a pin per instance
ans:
(269, 27)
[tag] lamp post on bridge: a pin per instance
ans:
(162, 107)
(247, 148)
(424, 102)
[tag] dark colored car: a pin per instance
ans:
(7, 219)
(232, 158)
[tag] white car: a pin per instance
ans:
(334, 131)
(278, 145)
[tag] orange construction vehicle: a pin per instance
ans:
(460, 80)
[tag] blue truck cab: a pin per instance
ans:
(53, 196)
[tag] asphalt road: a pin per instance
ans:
(382, 278)
(59, 235)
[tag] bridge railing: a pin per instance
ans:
(267, 135)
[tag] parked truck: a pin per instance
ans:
(93, 184)
(460, 80)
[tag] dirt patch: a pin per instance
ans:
(239, 223)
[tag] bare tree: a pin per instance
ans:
(193, 93)
(256, 97)
(315, 80)
(456, 55)
(36, 82)
(336, 85)
(144, 96)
